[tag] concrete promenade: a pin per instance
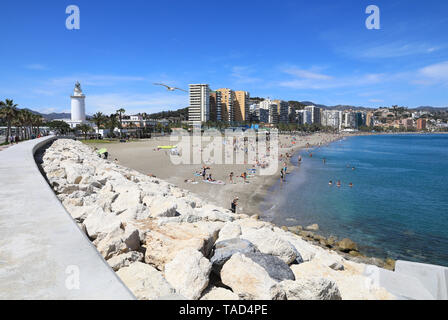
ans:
(43, 253)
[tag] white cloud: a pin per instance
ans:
(305, 79)
(435, 73)
(390, 50)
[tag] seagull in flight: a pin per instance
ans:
(169, 88)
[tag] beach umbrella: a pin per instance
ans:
(101, 151)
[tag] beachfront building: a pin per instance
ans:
(227, 104)
(263, 115)
(315, 114)
(199, 109)
(370, 119)
(332, 118)
(304, 117)
(282, 110)
(241, 106)
(421, 124)
(215, 106)
(349, 120)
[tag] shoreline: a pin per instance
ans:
(251, 195)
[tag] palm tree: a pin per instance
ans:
(120, 112)
(99, 118)
(85, 129)
(8, 111)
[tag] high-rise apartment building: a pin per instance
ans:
(199, 109)
(227, 104)
(215, 106)
(282, 111)
(241, 106)
(315, 113)
(332, 118)
(421, 124)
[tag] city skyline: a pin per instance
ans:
(308, 52)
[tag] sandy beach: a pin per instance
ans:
(144, 157)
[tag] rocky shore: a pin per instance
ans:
(167, 243)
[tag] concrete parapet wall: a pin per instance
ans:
(43, 253)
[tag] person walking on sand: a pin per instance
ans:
(234, 205)
(282, 176)
(231, 177)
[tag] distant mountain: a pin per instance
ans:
(51, 116)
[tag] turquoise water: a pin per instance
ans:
(397, 207)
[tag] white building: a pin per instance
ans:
(199, 109)
(315, 114)
(332, 118)
(304, 117)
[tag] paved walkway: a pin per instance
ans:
(43, 253)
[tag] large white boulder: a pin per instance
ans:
(101, 223)
(164, 242)
(250, 280)
(230, 230)
(125, 260)
(163, 207)
(270, 243)
(145, 282)
(118, 241)
(311, 289)
(188, 273)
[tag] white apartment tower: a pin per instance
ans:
(199, 109)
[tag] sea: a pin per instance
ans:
(397, 206)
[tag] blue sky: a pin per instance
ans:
(293, 50)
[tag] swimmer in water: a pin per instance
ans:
(330, 182)
(339, 183)
(350, 185)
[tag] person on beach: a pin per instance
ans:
(282, 176)
(106, 154)
(285, 167)
(234, 205)
(231, 177)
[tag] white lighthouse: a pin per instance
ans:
(78, 105)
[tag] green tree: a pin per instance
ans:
(85, 129)
(60, 127)
(8, 111)
(99, 119)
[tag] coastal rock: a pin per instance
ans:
(188, 273)
(163, 208)
(230, 230)
(311, 289)
(118, 241)
(249, 280)
(347, 245)
(145, 282)
(217, 293)
(313, 227)
(269, 243)
(125, 260)
(125, 200)
(225, 249)
(277, 269)
(101, 223)
(164, 242)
